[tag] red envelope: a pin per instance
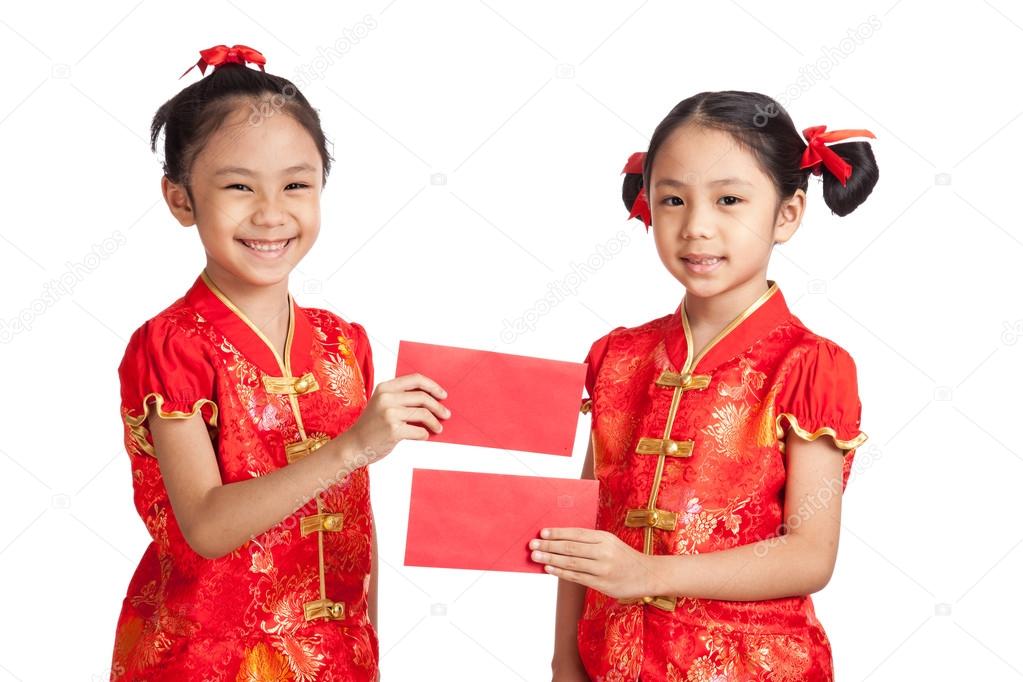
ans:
(498, 400)
(485, 521)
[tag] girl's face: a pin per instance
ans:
(716, 213)
(257, 198)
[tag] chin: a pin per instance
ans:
(268, 280)
(703, 288)
(268, 276)
(255, 276)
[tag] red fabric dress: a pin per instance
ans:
(689, 452)
(290, 604)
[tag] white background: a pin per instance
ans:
(526, 112)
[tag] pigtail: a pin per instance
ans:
(842, 200)
(760, 124)
(633, 193)
(632, 185)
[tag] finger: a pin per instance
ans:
(566, 548)
(572, 576)
(422, 416)
(389, 386)
(569, 563)
(417, 416)
(573, 534)
(412, 432)
(411, 382)
(423, 399)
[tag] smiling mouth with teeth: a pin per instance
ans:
(703, 261)
(265, 246)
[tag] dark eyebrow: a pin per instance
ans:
(237, 170)
(721, 181)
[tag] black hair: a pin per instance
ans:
(193, 115)
(762, 126)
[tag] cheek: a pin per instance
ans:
(311, 225)
(753, 240)
(309, 237)
(216, 227)
(665, 242)
(224, 212)
(308, 214)
(754, 223)
(310, 231)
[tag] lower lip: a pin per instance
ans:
(268, 255)
(700, 268)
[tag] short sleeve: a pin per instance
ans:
(593, 361)
(164, 370)
(820, 397)
(364, 356)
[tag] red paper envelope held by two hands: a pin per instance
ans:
(485, 521)
(498, 400)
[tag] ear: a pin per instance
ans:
(790, 215)
(178, 201)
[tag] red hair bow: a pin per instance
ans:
(640, 207)
(222, 54)
(817, 154)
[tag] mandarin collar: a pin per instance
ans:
(214, 305)
(752, 324)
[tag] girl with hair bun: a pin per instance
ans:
(723, 433)
(250, 421)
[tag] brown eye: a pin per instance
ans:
(672, 201)
(730, 200)
(296, 185)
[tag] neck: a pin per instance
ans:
(266, 306)
(715, 312)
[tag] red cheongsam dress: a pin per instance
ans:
(291, 603)
(689, 451)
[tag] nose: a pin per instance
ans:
(268, 214)
(698, 222)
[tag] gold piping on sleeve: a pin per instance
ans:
(137, 425)
(779, 431)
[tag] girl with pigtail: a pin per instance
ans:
(723, 433)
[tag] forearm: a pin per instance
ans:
(569, 609)
(230, 514)
(778, 567)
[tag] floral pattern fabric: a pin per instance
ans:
(246, 615)
(689, 452)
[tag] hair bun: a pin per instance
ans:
(844, 200)
(632, 184)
